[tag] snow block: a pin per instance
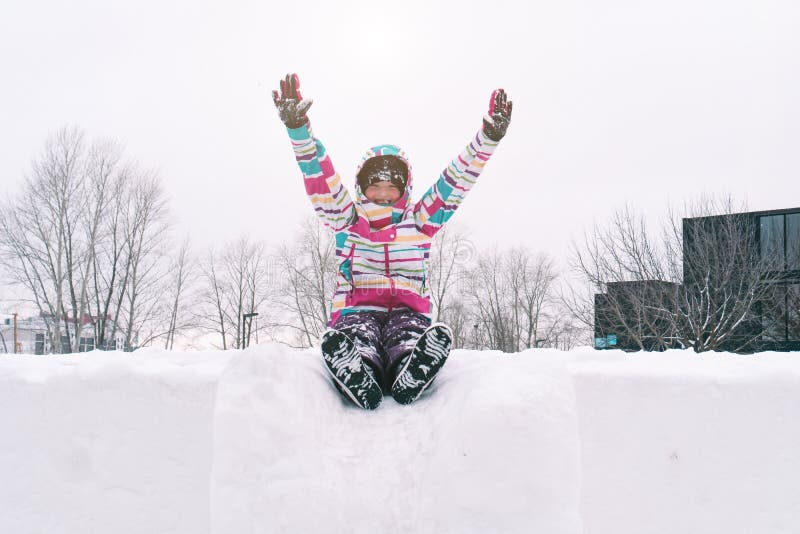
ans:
(259, 441)
(106, 442)
(492, 447)
(679, 442)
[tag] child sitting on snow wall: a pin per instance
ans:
(381, 337)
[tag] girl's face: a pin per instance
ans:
(383, 193)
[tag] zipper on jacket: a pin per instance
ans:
(352, 276)
(388, 275)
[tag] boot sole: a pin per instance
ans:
(348, 371)
(427, 358)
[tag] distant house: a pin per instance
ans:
(772, 323)
(33, 338)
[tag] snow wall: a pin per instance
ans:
(258, 441)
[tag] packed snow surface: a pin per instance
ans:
(259, 441)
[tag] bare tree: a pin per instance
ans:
(308, 275)
(235, 283)
(101, 168)
(461, 321)
(577, 298)
(450, 256)
(509, 292)
(700, 284)
(144, 231)
(84, 238)
(180, 279)
(628, 271)
(108, 278)
(530, 280)
(491, 303)
(562, 332)
(39, 233)
(726, 279)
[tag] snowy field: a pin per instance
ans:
(542, 442)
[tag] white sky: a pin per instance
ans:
(614, 101)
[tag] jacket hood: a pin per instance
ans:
(377, 215)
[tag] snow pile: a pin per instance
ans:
(677, 443)
(258, 441)
(106, 442)
(491, 449)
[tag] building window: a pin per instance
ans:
(793, 240)
(773, 317)
(39, 344)
(87, 344)
(780, 320)
(793, 315)
(772, 245)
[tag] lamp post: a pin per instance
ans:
(247, 321)
(17, 344)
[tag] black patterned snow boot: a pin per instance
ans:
(352, 376)
(419, 369)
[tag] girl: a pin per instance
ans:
(381, 337)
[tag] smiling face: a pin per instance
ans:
(383, 193)
(382, 179)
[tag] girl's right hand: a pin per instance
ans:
(291, 106)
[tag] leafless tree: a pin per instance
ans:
(146, 232)
(41, 233)
(235, 283)
(562, 332)
(451, 254)
(726, 279)
(509, 292)
(491, 303)
(530, 279)
(180, 279)
(461, 321)
(101, 170)
(303, 291)
(108, 278)
(699, 284)
(628, 270)
(83, 238)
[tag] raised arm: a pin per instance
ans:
(329, 197)
(439, 202)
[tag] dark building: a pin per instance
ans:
(741, 268)
(621, 323)
(779, 239)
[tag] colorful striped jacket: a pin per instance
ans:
(383, 251)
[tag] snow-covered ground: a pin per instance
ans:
(258, 441)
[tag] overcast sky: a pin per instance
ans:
(615, 101)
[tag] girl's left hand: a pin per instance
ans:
(496, 122)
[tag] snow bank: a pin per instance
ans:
(492, 449)
(258, 441)
(112, 443)
(675, 443)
